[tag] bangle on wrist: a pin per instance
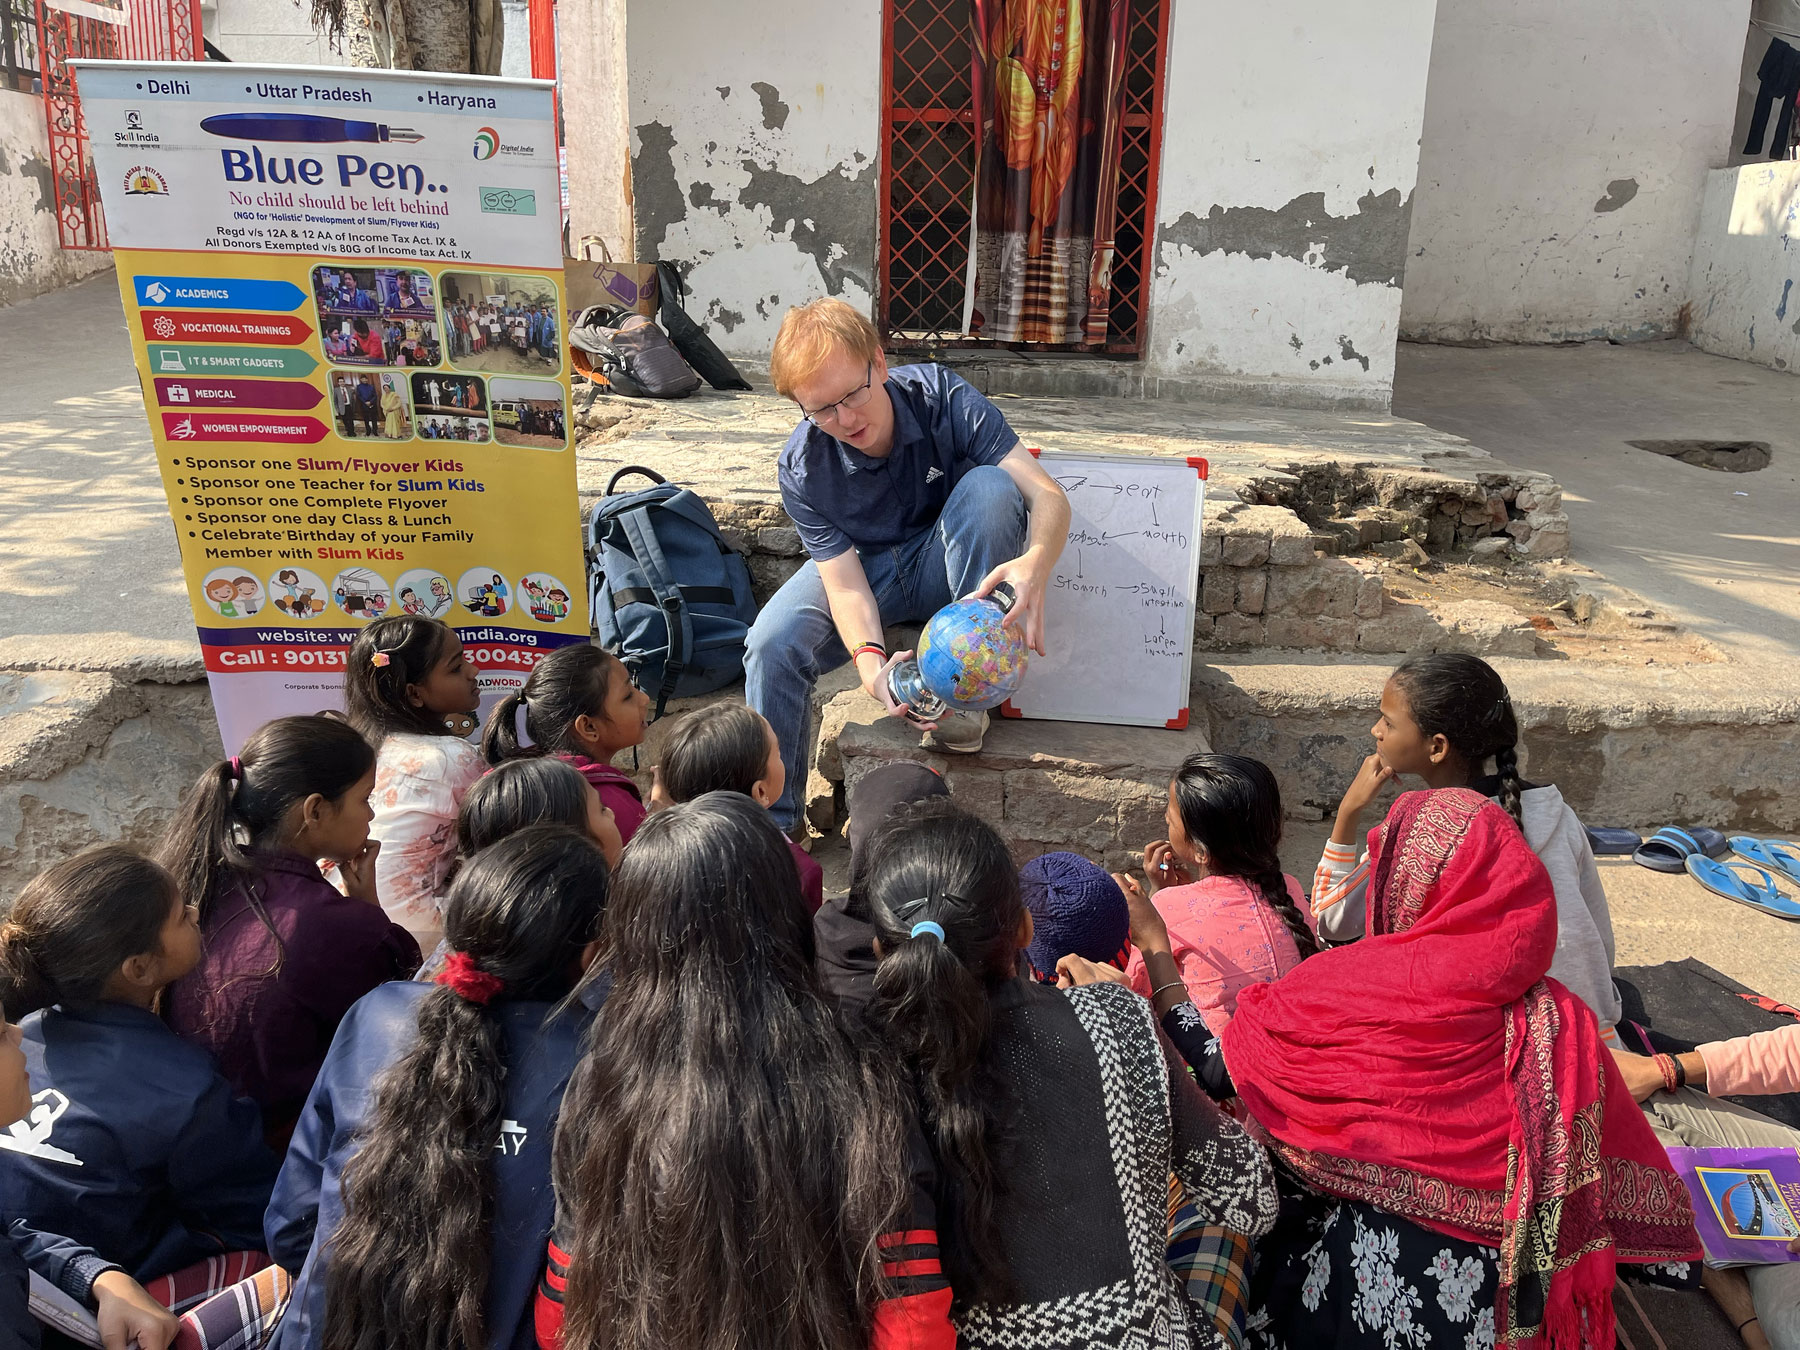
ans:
(1680, 1071)
(1164, 988)
(874, 647)
(1666, 1066)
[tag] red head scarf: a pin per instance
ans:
(1434, 1071)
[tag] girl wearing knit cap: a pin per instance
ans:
(1076, 910)
(1234, 917)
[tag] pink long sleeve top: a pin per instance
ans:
(1758, 1065)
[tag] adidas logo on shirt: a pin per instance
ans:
(933, 474)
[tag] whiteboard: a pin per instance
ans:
(1119, 610)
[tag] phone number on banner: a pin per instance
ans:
(229, 649)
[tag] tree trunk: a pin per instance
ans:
(453, 36)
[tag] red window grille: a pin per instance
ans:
(928, 177)
(155, 30)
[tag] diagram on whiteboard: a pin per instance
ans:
(1119, 609)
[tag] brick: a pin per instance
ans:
(1239, 630)
(1203, 629)
(1369, 595)
(781, 540)
(1400, 629)
(1287, 630)
(1327, 588)
(1217, 590)
(1292, 550)
(1246, 550)
(1252, 590)
(1209, 548)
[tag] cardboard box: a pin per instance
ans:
(592, 281)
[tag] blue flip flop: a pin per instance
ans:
(1671, 846)
(1727, 879)
(1775, 855)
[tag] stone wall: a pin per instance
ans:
(89, 758)
(1301, 567)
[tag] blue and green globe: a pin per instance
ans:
(968, 658)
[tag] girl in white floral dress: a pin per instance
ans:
(408, 681)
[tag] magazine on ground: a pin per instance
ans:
(1746, 1201)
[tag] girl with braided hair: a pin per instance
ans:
(1444, 717)
(1234, 917)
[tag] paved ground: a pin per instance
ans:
(1719, 551)
(86, 545)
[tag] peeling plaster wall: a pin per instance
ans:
(31, 259)
(1290, 148)
(1746, 263)
(754, 135)
(1565, 155)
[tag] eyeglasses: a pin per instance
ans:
(852, 401)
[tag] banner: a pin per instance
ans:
(344, 294)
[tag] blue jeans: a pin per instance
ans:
(794, 640)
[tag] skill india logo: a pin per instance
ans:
(487, 143)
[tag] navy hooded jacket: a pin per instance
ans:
(539, 1051)
(134, 1148)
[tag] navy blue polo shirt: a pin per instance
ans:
(840, 498)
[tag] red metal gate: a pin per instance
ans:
(155, 30)
(928, 175)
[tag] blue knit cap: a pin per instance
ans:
(1076, 908)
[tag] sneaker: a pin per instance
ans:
(958, 733)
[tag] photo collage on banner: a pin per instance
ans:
(343, 292)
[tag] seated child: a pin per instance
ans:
(843, 934)
(135, 1162)
(286, 953)
(1076, 910)
(525, 792)
(1233, 916)
(425, 1147)
(407, 683)
(1443, 717)
(579, 706)
(729, 747)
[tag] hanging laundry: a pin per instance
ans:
(1780, 76)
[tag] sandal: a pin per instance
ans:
(1774, 855)
(1671, 846)
(1727, 879)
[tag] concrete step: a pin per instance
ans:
(1096, 790)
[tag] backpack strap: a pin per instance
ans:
(649, 555)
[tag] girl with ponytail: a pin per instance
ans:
(1234, 917)
(580, 706)
(1033, 1099)
(1444, 718)
(410, 689)
(287, 953)
(415, 1201)
(135, 1165)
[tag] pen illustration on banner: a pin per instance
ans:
(307, 127)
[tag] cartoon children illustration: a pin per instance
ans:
(558, 604)
(290, 582)
(410, 602)
(222, 591)
(249, 594)
(534, 598)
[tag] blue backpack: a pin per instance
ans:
(669, 597)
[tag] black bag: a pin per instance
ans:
(632, 353)
(687, 335)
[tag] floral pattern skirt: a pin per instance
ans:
(1343, 1273)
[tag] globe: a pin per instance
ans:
(968, 659)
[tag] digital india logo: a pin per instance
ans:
(487, 143)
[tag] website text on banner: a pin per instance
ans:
(344, 294)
